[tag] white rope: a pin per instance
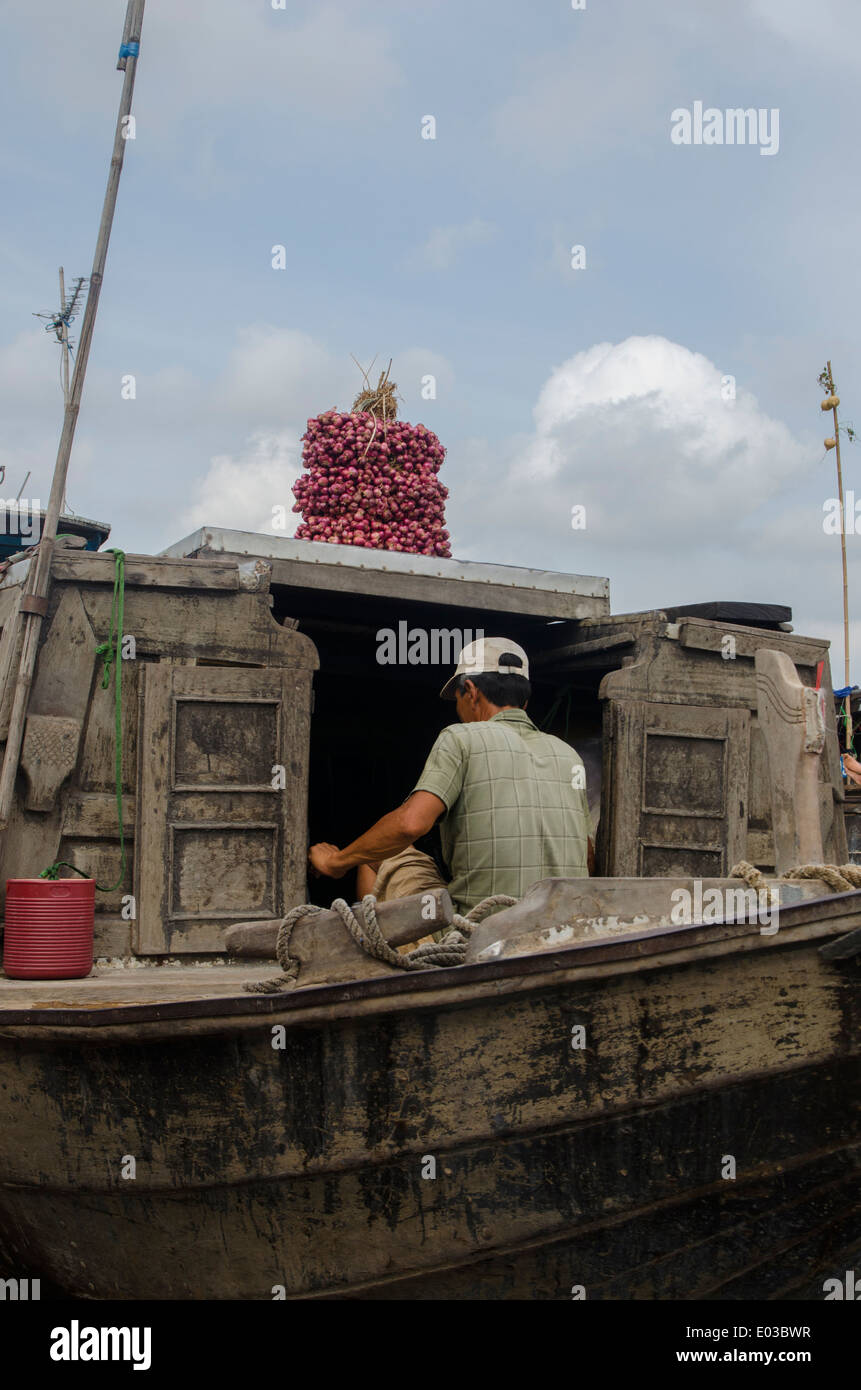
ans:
(451, 950)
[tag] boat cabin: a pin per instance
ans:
(276, 690)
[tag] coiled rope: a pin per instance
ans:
(840, 879)
(451, 950)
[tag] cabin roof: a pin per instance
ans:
(389, 573)
(215, 539)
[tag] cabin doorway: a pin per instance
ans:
(374, 721)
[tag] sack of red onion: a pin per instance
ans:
(371, 481)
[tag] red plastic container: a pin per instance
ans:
(49, 928)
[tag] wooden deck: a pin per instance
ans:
(112, 986)
(144, 1002)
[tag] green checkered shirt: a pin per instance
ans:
(512, 813)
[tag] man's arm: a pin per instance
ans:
(389, 836)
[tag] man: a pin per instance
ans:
(512, 799)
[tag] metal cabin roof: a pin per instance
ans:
(392, 573)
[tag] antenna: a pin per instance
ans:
(58, 324)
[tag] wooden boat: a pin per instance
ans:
(21, 526)
(603, 1101)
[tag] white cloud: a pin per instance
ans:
(687, 497)
(278, 378)
(241, 490)
(274, 380)
(445, 245)
(644, 428)
(279, 374)
(638, 432)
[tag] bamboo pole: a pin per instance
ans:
(848, 681)
(34, 601)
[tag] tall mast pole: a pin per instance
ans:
(831, 402)
(34, 601)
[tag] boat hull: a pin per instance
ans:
(624, 1208)
(441, 1137)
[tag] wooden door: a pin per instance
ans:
(222, 801)
(678, 795)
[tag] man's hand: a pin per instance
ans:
(326, 860)
(852, 768)
(389, 836)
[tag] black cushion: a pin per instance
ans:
(747, 614)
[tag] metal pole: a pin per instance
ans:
(34, 601)
(64, 341)
(64, 360)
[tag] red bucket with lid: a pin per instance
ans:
(49, 928)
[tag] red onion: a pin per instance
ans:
(372, 485)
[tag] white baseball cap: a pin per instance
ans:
(488, 656)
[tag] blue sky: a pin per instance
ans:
(556, 386)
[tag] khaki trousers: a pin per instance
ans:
(404, 875)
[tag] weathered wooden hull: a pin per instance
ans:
(305, 1166)
(626, 1208)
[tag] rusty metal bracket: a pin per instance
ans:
(32, 603)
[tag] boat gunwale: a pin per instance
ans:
(662, 947)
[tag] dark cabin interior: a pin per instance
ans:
(374, 724)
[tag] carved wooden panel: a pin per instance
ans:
(678, 793)
(683, 773)
(247, 741)
(219, 838)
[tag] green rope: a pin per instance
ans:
(110, 653)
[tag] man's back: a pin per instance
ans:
(513, 814)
